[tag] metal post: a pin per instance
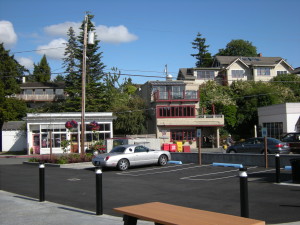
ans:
(244, 192)
(199, 152)
(277, 163)
(266, 152)
(99, 192)
(42, 181)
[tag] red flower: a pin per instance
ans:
(71, 124)
(94, 126)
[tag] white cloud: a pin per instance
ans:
(54, 50)
(62, 29)
(113, 34)
(7, 34)
(26, 62)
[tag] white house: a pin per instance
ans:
(279, 119)
(226, 69)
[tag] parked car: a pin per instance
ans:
(294, 141)
(257, 145)
(124, 156)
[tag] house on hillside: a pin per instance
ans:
(175, 115)
(226, 69)
(37, 93)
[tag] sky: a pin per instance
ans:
(141, 37)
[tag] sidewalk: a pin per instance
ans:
(20, 210)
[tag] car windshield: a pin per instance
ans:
(118, 149)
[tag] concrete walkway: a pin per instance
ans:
(20, 210)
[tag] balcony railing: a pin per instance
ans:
(46, 98)
(176, 96)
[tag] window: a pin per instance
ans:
(281, 72)
(275, 130)
(49, 91)
(263, 71)
(237, 73)
(180, 135)
(176, 111)
(141, 149)
(59, 91)
(205, 75)
(38, 91)
(28, 91)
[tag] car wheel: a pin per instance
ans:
(162, 160)
(232, 152)
(123, 164)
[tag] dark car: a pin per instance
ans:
(294, 141)
(257, 145)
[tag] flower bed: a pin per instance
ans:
(63, 159)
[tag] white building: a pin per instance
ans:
(40, 126)
(279, 119)
(14, 136)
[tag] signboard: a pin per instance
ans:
(264, 132)
(198, 132)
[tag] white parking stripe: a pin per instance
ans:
(179, 168)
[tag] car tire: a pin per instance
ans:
(231, 151)
(123, 164)
(162, 160)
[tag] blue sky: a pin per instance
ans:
(141, 37)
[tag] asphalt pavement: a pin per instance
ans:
(20, 209)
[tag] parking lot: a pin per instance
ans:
(203, 187)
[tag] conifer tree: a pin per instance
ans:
(203, 57)
(94, 71)
(42, 71)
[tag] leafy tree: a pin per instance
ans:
(213, 94)
(291, 81)
(42, 71)
(250, 95)
(238, 48)
(203, 57)
(10, 75)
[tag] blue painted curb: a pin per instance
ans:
(228, 165)
(175, 162)
(288, 168)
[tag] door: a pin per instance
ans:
(142, 156)
(36, 144)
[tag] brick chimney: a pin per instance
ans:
(259, 54)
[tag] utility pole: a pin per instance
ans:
(83, 85)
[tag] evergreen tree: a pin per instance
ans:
(94, 71)
(203, 57)
(11, 73)
(42, 71)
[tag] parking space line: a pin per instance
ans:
(177, 168)
(216, 173)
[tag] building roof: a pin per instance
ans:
(58, 85)
(13, 125)
(177, 82)
(250, 61)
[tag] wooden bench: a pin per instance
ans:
(162, 213)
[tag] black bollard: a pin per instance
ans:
(277, 163)
(42, 181)
(99, 193)
(244, 192)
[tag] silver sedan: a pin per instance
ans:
(124, 156)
